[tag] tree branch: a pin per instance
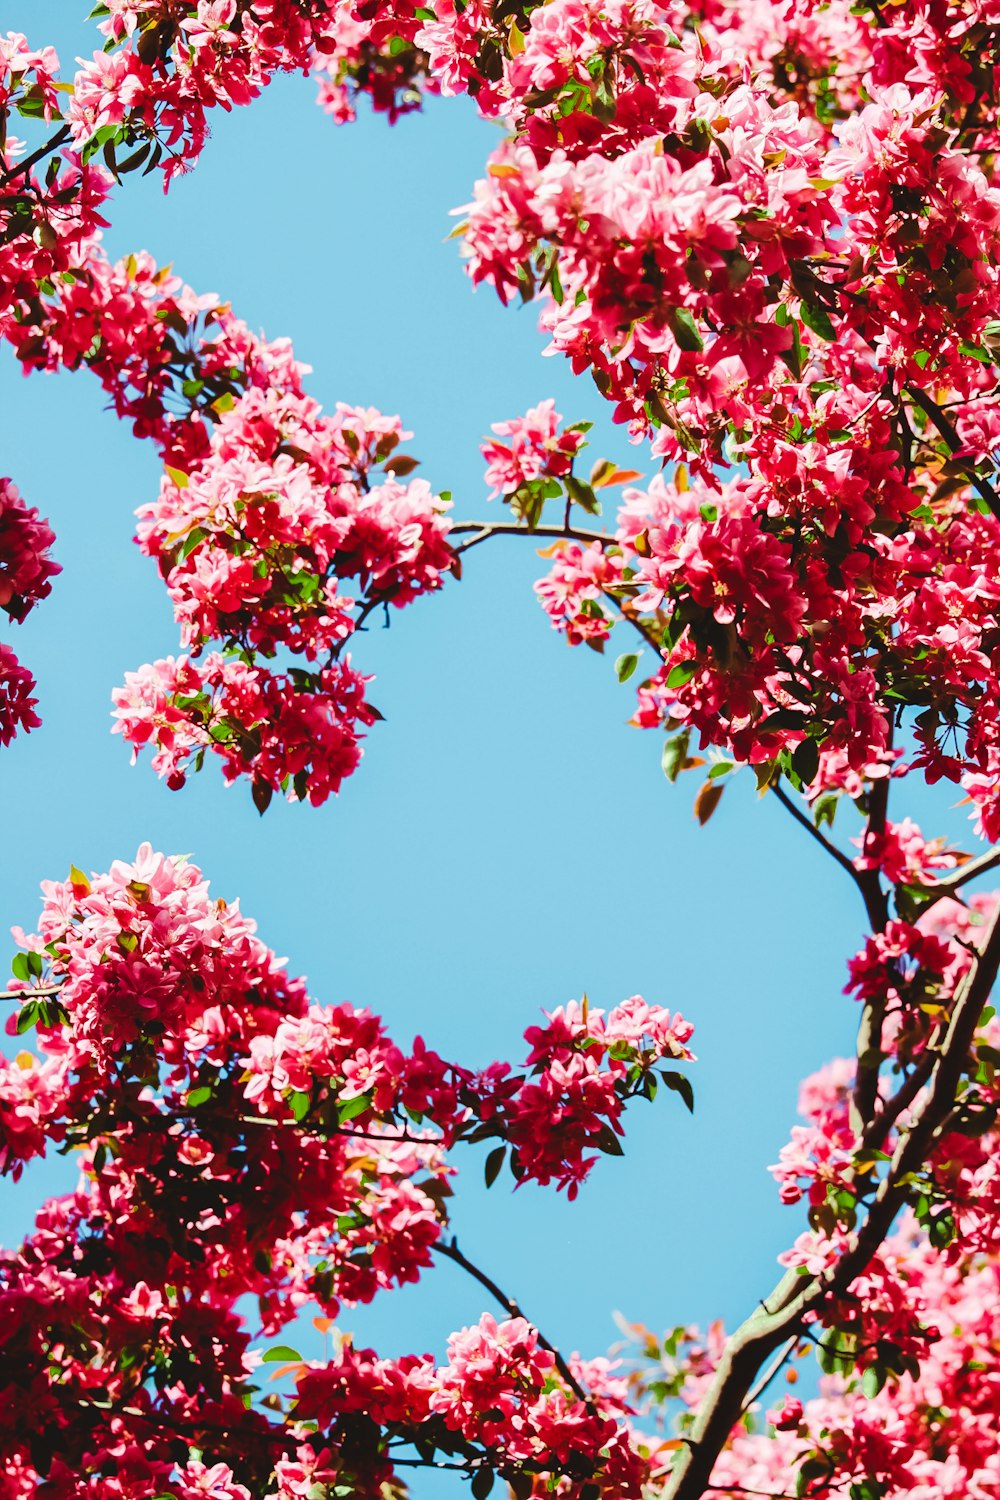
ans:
(805, 822)
(946, 428)
(41, 992)
(769, 1374)
(781, 1315)
(485, 529)
(971, 870)
(452, 1252)
(24, 167)
(869, 1043)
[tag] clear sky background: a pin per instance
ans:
(508, 841)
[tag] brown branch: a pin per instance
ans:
(971, 870)
(486, 529)
(946, 428)
(781, 1315)
(453, 1253)
(59, 139)
(869, 1043)
(39, 993)
(807, 823)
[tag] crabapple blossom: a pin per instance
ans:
(770, 235)
(299, 1157)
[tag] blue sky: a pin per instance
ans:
(509, 841)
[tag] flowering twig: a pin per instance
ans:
(485, 529)
(782, 1314)
(60, 138)
(40, 993)
(453, 1253)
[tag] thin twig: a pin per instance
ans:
(453, 1253)
(842, 859)
(971, 870)
(769, 1374)
(59, 139)
(485, 529)
(869, 1044)
(796, 1296)
(40, 993)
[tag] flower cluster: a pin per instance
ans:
(268, 511)
(239, 1141)
(25, 573)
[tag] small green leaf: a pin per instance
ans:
(626, 665)
(873, 1380)
(199, 1096)
(494, 1163)
(675, 754)
(680, 1084)
(27, 1017)
(299, 1104)
(19, 966)
(351, 1108)
(608, 1142)
(818, 319)
(805, 761)
(685, 330)
(681, 674)
(281, 1354)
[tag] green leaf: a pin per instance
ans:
(805, 761)
(873, 1380)
(818, 319)
(836, 1351)
(494, 1163)
(281, 1354)
(19, 966)
(582, 495)
(299, 1104)
(199, 1096)
(626, 665)
(680, 1084)
(675, 754)
(351, 1108)
(685, 330)
(608, 1142)
(27, 1017)
(681, 674)
(194, 539)
(794, 356)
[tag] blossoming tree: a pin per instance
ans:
(771, 237)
